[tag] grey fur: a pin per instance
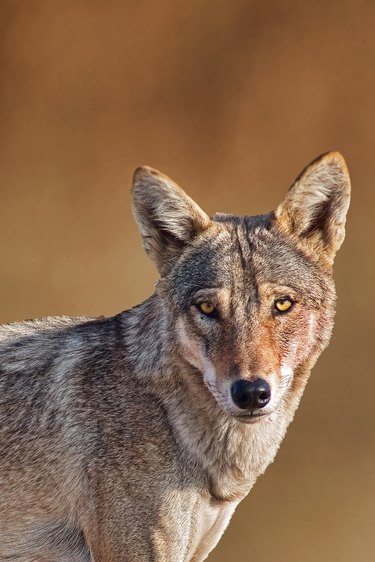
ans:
(116, 444)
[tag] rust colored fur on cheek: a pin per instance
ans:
(307, 333)
(299, 343)
(273, 347)
(190, 349)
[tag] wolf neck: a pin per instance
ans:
(231, 454)
(147, 337)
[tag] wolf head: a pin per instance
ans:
(252, 298)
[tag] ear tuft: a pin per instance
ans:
(167, 218)
(316, 205)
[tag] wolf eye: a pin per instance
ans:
(207, 308)
(283, 304)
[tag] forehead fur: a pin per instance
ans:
(244, 253)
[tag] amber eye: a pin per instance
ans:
(207, 308)
(283, 304)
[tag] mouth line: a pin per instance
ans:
(250, 417)
(252, 413)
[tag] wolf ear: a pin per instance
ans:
(316, 205)
(167, 218)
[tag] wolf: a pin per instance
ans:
(134, 438)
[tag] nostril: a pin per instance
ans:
(249, 395)
(241, 394)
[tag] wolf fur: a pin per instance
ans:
(120, 440)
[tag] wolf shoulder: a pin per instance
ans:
(74, 367)
(33, 345)
(58, 360)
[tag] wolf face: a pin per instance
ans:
(252, 298)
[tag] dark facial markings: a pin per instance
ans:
(245, 249)
(243, 258)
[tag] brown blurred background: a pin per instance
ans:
(231, 99)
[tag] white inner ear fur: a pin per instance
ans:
(309, 193)
(159, 203)
(317, 185)
(175, 214)
(319, 201)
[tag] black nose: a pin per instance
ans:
(249, 395)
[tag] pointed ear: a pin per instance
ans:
(167, 218)
(316, 205)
